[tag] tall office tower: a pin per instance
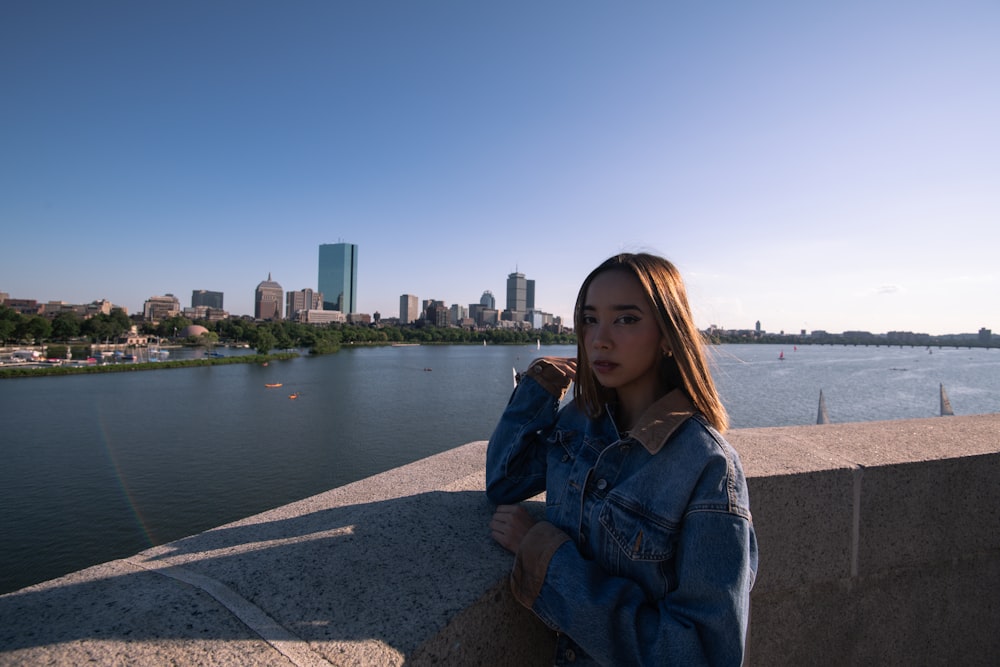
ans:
(517, 293)
(488, 300)
(338, 276)
(409, 308)
(304, 299)
(202, 297)
(267, 300)
(530, 296)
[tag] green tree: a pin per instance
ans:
(120, 321)
(98, 328)
(35, 328)
(265, 341)
(208, 339)
(66, 326)
(9, 320)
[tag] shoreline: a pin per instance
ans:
(22, 372)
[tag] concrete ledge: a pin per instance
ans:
(391, 569)
(880, 544)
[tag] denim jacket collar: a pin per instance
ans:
(661, 419)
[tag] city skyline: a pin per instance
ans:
(816, 167)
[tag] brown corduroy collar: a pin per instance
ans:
(661, 419)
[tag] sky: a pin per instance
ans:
(810, 165)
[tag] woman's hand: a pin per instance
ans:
(509, 526)
(554, 374)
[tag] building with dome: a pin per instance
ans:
(192, 331)
(268, 300)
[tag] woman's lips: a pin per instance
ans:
(604, 366)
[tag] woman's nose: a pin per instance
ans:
(600, 339)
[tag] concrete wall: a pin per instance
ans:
(880, 544)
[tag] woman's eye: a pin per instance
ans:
(589, 319)
(628, 319)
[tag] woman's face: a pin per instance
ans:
(621, 337)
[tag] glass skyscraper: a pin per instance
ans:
(338, 277)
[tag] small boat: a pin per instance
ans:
(293, 396)
(273, 386)
(781, 356)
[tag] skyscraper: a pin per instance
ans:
(203, 297)
(338, 276)
(267, 300)
(409, 308)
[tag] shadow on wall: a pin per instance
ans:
(395, 572)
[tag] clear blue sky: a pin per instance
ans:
(811, 165)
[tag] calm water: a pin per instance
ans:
(100, 467)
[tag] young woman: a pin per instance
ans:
(647, 554)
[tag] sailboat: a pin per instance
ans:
(946, 410)
(538, 343)
(781, 356)
(822, 416)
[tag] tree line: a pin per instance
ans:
(262, 336)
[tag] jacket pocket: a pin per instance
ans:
(637, 545)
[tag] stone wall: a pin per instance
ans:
(879, 541)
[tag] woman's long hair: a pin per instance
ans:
(686, 368)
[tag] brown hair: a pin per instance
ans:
(685, 369)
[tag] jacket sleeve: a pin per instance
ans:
(515, 457)
(702, 621)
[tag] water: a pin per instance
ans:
(98, 467)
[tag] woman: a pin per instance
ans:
(648, 553)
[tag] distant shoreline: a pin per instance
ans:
(22, 372)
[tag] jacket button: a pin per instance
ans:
(602, 484)
(570, 655)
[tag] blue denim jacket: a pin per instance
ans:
(648, 553)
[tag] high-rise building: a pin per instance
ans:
(487, 300)
(436, 313)
(338, 276)
(304, 299)
(202, 297)
(520, 297)
(409, 306)
(517, 293)
(267, 300)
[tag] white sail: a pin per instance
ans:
(822, 417)
(946, 410)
